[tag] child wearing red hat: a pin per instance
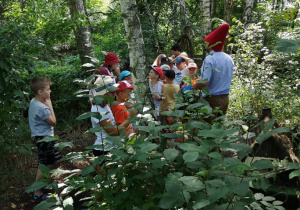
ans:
(217, 70)
(110, 66)
(119, 110)
(156, 86)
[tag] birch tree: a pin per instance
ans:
(248, 11)
(228, 9)
(135, 39)
(82, 33)
(205, 16)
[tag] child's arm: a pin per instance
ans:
(51, 120)
(163, 97)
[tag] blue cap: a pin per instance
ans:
(179, 60)
(124, 74)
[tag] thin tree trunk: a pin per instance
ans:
(184, 19)
(82, 34)
(213, 7)
(135, 39)
(228, 9)
(248, 11)
(205, 17)
(136, 48)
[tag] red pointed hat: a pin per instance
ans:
(218, 35)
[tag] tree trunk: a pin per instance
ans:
(228, 9)
(248, 11)
(184, 19)
(205, 17)
(213, 7)
(186, 42)
(82, 34)
(135, 39)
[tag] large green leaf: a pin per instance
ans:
(294, 174)
(192, 183)
(147, 147)
(262, 164)
(36, 186)
(170, 154)
(201, 204)
(190, 156)
(287, 46)
(88, 169)
(46, 204)
(170, 201)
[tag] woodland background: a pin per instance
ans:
(58, 38)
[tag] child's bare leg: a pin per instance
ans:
(37, 177)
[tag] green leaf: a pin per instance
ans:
(170, 201)
(86, 170)
(262, 164)
(89, 115)
(119, 153)
(294, 173)
(277, 203)
(200, 204)
(46, 204)
(287, 46)
(268, 125)
(49, 139)
(36, 186)
(62, 145)
(200, 125)
(44, 170)
(192, 148)
(215, 155)
(147, 147)
(190, 156)
(192, 183)
(172, 135)
(96, 129)
(242, 149)
(170, 154)
(268, 198)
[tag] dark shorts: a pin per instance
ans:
(47, 153)
(97, 152)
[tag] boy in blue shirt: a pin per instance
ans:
(41, 121)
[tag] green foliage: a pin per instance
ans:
(145, 174)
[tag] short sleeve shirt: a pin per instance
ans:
(217, 68)
(38, 113)
(120, 113)
(106, 114)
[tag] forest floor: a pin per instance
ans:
(15, 195)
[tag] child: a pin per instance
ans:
(41, 121)
(119, 110)
(107, 121)
(192, 77)
(110, 66)
(156, 86)
(170, 90)
(126, 76)
(180, 70)
(164, 68)
(158, 60)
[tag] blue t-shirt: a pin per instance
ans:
(217, 68)
(38, 113)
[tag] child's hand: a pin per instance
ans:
(48, 102)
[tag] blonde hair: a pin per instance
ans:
(39, 83)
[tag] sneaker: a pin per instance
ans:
(38, 198)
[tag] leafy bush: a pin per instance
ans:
(142, 173)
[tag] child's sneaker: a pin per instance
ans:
(38, 198)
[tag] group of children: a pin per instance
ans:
(165, 80)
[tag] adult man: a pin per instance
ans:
(217, 70)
